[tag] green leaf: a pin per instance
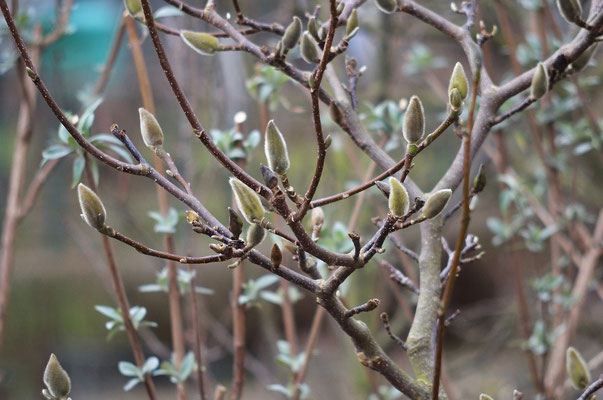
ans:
(55, 151)
(79, 163)
(168, 11)
(87, 118)
(109, 312)
(128, 369)
(131, 384)
(104, 138)
(121, 152)
(150, 365)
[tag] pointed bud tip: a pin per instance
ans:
(275, 149)
(398, 198)
(93, 210)
(56, 379)
(413, 126)
(248, 201)
(436, 203)
(152, 134)
(540, 82)
(292, 34)
(309, 49)
(458, 80)
(577, 369)
(201, 42)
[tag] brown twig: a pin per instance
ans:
(388, 329)
(197, 338)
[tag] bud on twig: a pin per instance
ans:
(335, 112)
(313, 28)
(309, 50)
(387, 6)
(152, 135)
(93, 211)
(235, 223)
(318, 216)
(436, 203)
(133, 7)
(201, 42)
(270, 178)
(247, 200)
(581, 62)
(458, 80)
(577, 370)
(413, 126)
(571, 10)
(292, 34)
(352, 23)
(456, 99)
(255, 235)
(540, 82)
(275, 149)
(191, 216)
(276, 255)
(398, 198)
(479, 183)
(56, 380)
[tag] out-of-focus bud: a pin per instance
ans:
(387, 6)
(93, 210)
(318, 216)
(309, 49)
(270, 178)
(328, 141)
(235, 223)
(292, 34)
(151, 131)
(275, 149)
(581, 62)
(276, 255)
(352, 23)
(56, 379)
(577, 369)
(201, 42)
(383, 188)
(192, 216)
(456, 99)
(484, 396)
(290, 247)
(255, 235)
(436, 203)
(479, 183)
(313, 28)
(413, 126)
(335, 112)
(571, 10)
(247, 200)
(458, 80)
(398, 198)
(134, 7)
(540, 82)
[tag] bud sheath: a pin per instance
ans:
(201, 42)
(151, 131)
(436, 203)
(93, 211)
(247, 200)
(413, 126)
(398, 198)
(275, 149)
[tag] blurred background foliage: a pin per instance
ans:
(60, 273)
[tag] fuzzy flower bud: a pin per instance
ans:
(318, 217)
(235, 223)
(479, 182)
(275, 149)
(93, 211)
(276, 255)
(582, 61)
(313, 28)
(436, 203)
(458, 80)
(247, 200)
(577, 370)
(56, 379)
(398, 198)
(540, 82)
(387, 6)
(255, 235)
(571, 10)
(309, 50)
(456, 99)
(133, 6)
(292, 34)
(151, 131)
(201, 42)
(352, 23)
(413, 126)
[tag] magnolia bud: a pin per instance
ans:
(235, 223)
(270, 178)
(318, 216)
(352, 23)
(93, 211)
(290, 247)
(383, 188)
(335, 112)
(201, 42)
(276, 255)
(398, 198)
(577, 369)
(458, 80)
(540, 82)
(247, 200)
(571, 10)
(275, 149)
(311, 81)
(255, 235)
(313, 28)
(292, 34)
(192, 217)
(56, 379)
(479, 183)
(309, 50)
(456, 99)
(436, 203)
(152, 135)
(413, 126)
(133, 6)
(582, 61)
(484, 396)
(328, 141)
(387, 6)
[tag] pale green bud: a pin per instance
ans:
(456, 99)
(436, 203)
(275, 149)
(571, 10)
(151, 131)
(255, 235)
(577, 369)
(352, 23)
(387, 6)
(458, 80)
(413, 126)
(309, 49)
(56, 379)
(484, 396)
(398, 198)
(93, 211)
(581, 62)
(133, 6)
(201, 42)
(292, 34)
(540, 82)
(247, 200)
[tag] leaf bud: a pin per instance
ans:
(340, 7)
(93, 211)
(255, 235)
(387, 6)
(247, 200)
(270, 178)
(201, 42)
(398, 198)
(571, 10)
(456, 100)
(436, 203)
(458, 80)
(275, 149)
(276, 255)
(317, 217)
(352, 23)
(577, 369)
(292, 34)
(413, 126)
(191, 216)
(309, 49)
(134, 7)
(235, 223)
(328, 141)
(540, 82)
(582, 61)
(56, 379)
(151, 131)
(479, 183)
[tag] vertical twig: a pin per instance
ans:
(197, 340)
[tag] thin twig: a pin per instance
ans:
(395, 338)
